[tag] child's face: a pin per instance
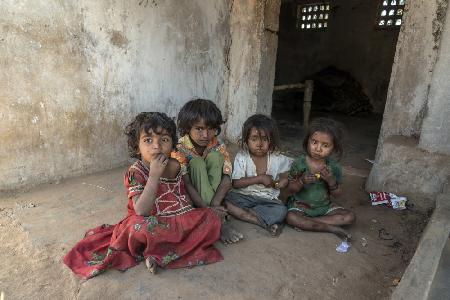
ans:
(320, 145)
(152, 144)
(201, 134)
(258, 142)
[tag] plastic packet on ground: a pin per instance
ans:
(398, 202)
(343, 247)
(377, 198)
(391, 200)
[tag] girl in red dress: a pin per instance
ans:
(161, 227)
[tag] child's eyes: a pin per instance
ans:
(254, 140)
(210, 130)
(149, 140)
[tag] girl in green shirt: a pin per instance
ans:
(315, 178)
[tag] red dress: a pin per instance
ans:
(175, 234)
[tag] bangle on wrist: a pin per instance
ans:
(333, 187)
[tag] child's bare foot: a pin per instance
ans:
(229, 235)
(275, 229)
(342, 234)
(297, 228)
(151, 265)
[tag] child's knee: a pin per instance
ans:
(296, 219)
(291, 218)
(350, 217)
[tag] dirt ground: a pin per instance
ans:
(39, 226)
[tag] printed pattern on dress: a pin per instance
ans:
(136, 178)
(172, 201)
(172, 196)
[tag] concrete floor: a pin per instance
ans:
(440, 289)
(39, 226)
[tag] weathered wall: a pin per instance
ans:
(411, 74)
(413, 152)
(253, 29)
(435, 134)
(351, 43)
(72, 74)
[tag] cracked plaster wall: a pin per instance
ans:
(435, 133)
(74, 73)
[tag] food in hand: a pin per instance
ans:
(317, 175)
(276, 184)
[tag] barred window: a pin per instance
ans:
(390, 13)
(313, 16)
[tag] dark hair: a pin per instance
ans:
(329, 126)
(197, 109)
(145, 121)
(263, 123)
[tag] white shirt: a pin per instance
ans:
(245, 167)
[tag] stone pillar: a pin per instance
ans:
(435, 135)
(414, 60)
(268, 48)
(252, 55)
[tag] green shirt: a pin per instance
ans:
(315, 194)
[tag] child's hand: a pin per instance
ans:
(283, 182)
(266, 180)
(327, 176)
(295, 185)
(220, 211)
(158, 165)
(308, 178)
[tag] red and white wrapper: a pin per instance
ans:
(391, 200)
(377, 198)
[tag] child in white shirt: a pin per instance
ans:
(258, 175)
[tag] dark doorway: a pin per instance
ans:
(349, 56)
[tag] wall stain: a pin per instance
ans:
(438, 22)
(118, 39)
(145, 3)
